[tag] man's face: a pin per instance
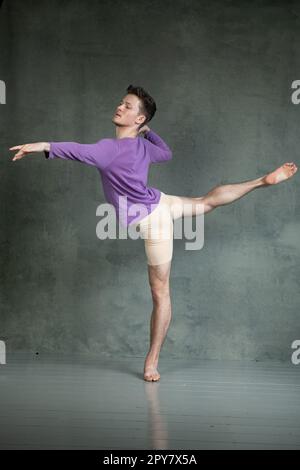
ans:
(127, 113)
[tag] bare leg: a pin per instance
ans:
(160, 318)
(228, 193)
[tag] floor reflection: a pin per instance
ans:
(158, 428)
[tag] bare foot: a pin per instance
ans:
(151, 373)
(287, 170)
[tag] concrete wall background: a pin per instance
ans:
(221, 74)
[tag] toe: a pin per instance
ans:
(148, 376)
(151, 377)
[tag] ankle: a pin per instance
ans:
(265, 181)
(262, 181)
(152, 357)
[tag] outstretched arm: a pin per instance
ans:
(99, 154)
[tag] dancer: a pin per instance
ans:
(123, 164)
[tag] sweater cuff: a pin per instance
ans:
(49, 153)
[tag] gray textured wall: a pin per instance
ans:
(221, 74)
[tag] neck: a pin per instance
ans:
(121, 133)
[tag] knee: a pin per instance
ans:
(208, 204)
(160, 292)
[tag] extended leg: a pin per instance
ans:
(225, 194)
(228, 193)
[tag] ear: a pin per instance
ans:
(142, 118)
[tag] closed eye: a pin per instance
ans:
(128, 107)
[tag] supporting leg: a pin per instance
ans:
(160, 318)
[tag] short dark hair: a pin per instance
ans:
(147, 103)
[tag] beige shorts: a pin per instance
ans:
(157, 231)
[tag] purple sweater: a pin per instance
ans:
(123, 166)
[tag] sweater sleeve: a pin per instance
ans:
(158, 149)
(99, 154)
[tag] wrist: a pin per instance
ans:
(46, 146)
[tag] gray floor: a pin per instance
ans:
(78, 402)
